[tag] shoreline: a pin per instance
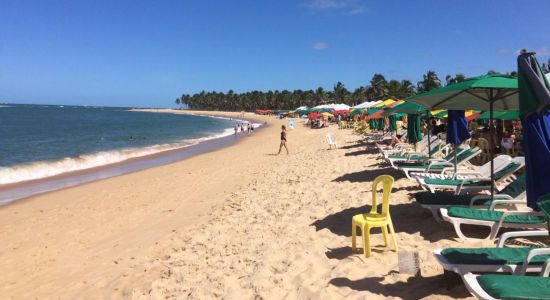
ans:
(238, 222)
(85, 239)
(19, 191)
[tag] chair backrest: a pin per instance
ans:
(330, 140)
(516, 188)
(467, 155)
(516, 164)
(387, 184)
(544, 204)
(451, 155)
(500, 162)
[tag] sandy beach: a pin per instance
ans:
(236, 223)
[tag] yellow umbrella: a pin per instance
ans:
(326, 114)
(385, 103)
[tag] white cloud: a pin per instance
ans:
(320, 46)
(503, 51)
(347, 6)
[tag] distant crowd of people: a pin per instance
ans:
(241, 127)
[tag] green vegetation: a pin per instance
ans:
(378, 89)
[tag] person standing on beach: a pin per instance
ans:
(242, 128)
(283, 140)
(248, 128)
(236, 129)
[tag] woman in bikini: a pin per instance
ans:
(283, 140)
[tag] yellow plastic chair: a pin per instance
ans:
(374, 218)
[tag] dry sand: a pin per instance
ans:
(237, 223)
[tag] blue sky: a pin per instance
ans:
(147, 53)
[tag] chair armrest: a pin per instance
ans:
(440, 163)
(504, 202)
(517, 213)
(513, 234)
(485, 197)
(533, 253)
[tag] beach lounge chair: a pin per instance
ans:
(331, 142)
(473, 183)
(519, 286)
(437, 200)
(374, 218)
(420, 156)
(400, 148)
(471, 171)
(464, 154)
(494, 219)
(514, 190)
(498, 286)
(514, 260)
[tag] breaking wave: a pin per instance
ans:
(43, 169)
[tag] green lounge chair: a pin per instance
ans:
(468, 184)
(409, 157)
(439, 165)
(435, 201)
(483, 171)
(497, 286)
(492, 218)
(516, 260)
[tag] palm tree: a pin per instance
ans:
(341, 93)
(429, 82)
(321, 95)
(378, 88)
(456, 79)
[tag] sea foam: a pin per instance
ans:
(44, 169)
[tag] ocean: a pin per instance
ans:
(39, 141)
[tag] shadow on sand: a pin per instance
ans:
(369, 175)
(416, 287)
(409, 218)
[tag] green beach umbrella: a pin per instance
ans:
(414, 135)
(501, 115)
(405, 108)
(392, 126)
(380, 123)
(355, 112)
(534, 94)
(373, 124)
(489, 92)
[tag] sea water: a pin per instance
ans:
(39, 141)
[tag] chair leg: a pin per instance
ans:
(385, 234)
(353, 236)
(366, 241)
(392, 232)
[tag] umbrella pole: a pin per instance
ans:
(428, 133)
(456, 159)
(491, 146)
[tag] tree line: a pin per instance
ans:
(379, 88)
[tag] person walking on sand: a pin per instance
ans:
(236, 129)
(283, 140)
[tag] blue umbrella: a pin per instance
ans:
(457, 128)
(534, 101)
